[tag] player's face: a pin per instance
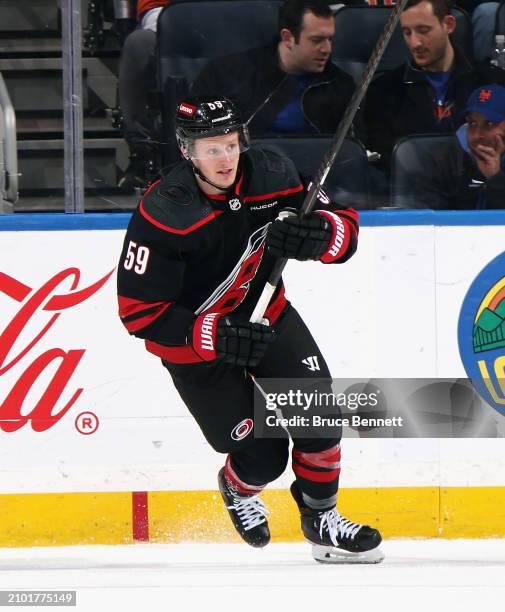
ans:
(217, 158)
(426, 37)
(313, 49)
(481, 131)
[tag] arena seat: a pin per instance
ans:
(409, 158)
(500, 19)
(192, 32)
(347, 181)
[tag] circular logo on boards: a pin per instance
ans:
(481, 333)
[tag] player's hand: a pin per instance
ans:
(231, 338)
(488, 158)
(294, 238)
(242, 343)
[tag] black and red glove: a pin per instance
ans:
(294, 238)
(231, 338)
(321, 235)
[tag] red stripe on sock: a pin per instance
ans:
(329, 458)
(242, 487)
(315, 476)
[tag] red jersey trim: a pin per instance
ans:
(222, 197)
(172, 230)
(129, 307)
(266, 196)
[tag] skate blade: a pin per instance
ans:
(330, 554)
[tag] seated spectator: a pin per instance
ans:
(483, 15)
(291, 86)
(469, 172)
(429, 93)
(137, 76)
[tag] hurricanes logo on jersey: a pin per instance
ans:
(232, 292)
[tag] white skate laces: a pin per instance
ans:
(337, 526)
(250, 510)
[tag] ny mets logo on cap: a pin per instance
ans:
(485, 95)
(186, 109)
(481, 333)
(488, 100)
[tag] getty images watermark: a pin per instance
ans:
(377, 408)
(312, 401)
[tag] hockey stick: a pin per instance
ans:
(336, 144)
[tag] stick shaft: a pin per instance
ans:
(336, 145)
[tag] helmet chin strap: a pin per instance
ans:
(202, 176)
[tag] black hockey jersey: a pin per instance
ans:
(187, 253)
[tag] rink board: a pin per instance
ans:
(57, 519)
(392, 311)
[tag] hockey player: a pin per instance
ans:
(197, 253)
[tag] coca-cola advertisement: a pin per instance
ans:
(83, 406)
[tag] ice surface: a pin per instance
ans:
(428, 575)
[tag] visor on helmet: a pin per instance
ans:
(214, 146)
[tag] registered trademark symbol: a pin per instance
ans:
(86, 423)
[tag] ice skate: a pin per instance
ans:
(247, 512)
(336, 539)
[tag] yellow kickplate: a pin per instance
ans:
(472, 512)
(175, 516)
(59, 519)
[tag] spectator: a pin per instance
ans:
(291, 86)
(468, 172)
(483, 15)
(137, 76)
(429, 93)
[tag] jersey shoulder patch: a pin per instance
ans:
(174, 203)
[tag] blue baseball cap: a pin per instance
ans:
(488, 100)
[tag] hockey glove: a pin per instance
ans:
(232, 339)
(295, 238)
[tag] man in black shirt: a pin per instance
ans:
(288, 87)
(428, 94)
